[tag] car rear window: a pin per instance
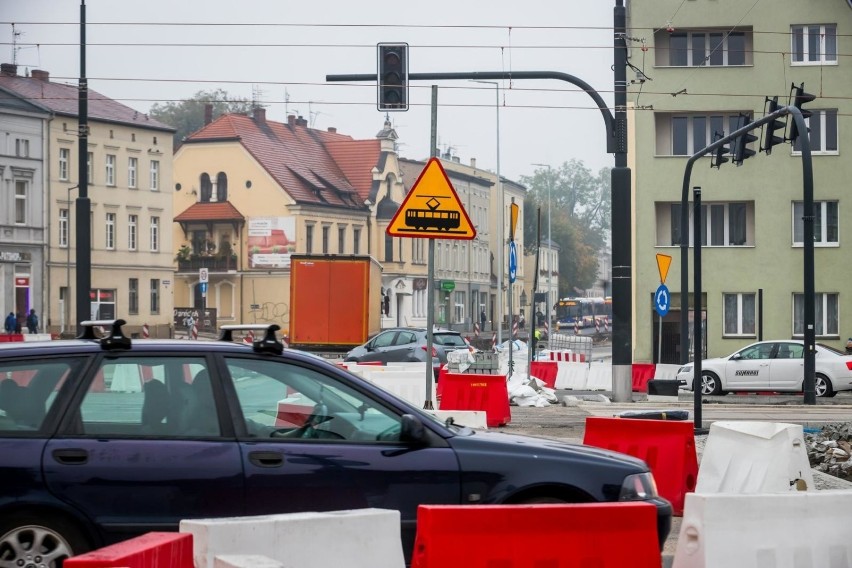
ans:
(449, 339)
(28, 390)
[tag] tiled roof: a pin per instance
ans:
(62, 99)
(217, 211)
(312, 166)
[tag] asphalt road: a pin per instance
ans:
(568, 422)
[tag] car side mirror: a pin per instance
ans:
(412, 430)
(736, 357)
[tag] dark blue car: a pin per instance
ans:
(105, 439)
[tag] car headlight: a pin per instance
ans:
(687, 369)
(638, 487)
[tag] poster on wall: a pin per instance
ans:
(271, 241)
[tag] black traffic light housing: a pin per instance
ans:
(769, 138)
(741, 150)
(799, 98)
(718, 157)
(393, 76)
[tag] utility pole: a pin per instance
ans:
(84, 204)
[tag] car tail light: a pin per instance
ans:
(434, 351)
(849, 365)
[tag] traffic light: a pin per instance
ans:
(718, 158)
(393, 76)
(769, 138)
(741, 150)
(800, 97)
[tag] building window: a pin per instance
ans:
(63, 227)
(132, 221)
(64, 158)
(826, 311)
(459, 307)
(814, 44)
(341, 240)
(103, 303)
(133, 296)
(110, 231)
(22, 148)
(822, 132)
(703, 48)
(722, 224)
(90, 166)
(826, 232)
(155, 234)
(309, 239)
(155, 295)
(325, 239)
(356, 240)
(739, 316)
(21, 187)
(132, 168)
(686, 134)
(155, 175)
(221, 187)
(206, 187)
(110, 170)
(388, 248)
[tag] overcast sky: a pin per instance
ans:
(280, 52)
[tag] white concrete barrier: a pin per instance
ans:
(754, 457)
(780, 530)
(666, 371)
(571, 375)
(37, 337)
(600, 376)
(360, 538)
(476, 419)
(410, 386)
(245, 561)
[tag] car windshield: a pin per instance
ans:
(451, 339)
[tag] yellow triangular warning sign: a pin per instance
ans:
(663, 263)
(432, 209)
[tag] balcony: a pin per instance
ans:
(212, 263)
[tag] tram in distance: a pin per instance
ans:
(582, 312)
(432, 219)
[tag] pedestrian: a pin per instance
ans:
(849, 346)
(19, 319)
(32, 322)
(11, 323)
(482, 319)
(189, 321)
(521, 321)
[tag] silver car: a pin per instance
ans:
(407, 344)
(772, 366)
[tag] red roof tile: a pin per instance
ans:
(312, 166)
(217, 211)
(62, 99)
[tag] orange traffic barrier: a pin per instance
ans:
(642, 373)
(468, 391)
(603, 535)
(160, 549)
(668, 447)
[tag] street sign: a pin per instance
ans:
(664, 261)
(662, 300)
(513, 261)
(203, 275)
(432, 209)
(204, 287)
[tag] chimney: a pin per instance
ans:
(259, 115)
(8, 69)
(41, 75)
(473, 163)
(456, 159)
(332, 129)
(291, 120)
(208, 113)
(301, 121)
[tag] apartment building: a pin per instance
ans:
(697, 67)
(130, 183)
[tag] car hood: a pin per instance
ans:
(706, 362)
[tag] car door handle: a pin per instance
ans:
(266, 459)
(71, 456)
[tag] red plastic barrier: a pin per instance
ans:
(642, 373)
(11, 337)
(468, 391)
(599, 535)
(668, 447)
(154, 549)
(546, 371)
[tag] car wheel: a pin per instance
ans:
(38, 540)
(710, 383)
(543, 500)
(823, 388)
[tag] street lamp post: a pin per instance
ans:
(502, 217)
(548, 303)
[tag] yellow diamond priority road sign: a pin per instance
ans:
(432, 209)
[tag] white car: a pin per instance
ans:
(772, 366)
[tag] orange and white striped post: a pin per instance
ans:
(194, 332)
(476, 329)
(145, 332)
(249, 338)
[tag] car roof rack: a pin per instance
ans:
(114, 339)
(269, 343)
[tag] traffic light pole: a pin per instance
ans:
(808, 252)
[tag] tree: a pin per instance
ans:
(187, 116)
(579, 219)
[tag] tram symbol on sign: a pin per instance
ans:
(432, 218)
